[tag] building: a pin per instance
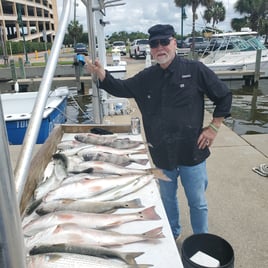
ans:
(33, 20)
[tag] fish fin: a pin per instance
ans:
(158, 173)
(149, 214)
(33, 206)
(135, 203)
(154, 233)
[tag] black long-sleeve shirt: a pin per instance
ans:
(171, 102)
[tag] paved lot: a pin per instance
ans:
(237, 196)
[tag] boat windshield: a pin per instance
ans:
(235, 43)
(255, 42)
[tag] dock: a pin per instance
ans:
(237, 196)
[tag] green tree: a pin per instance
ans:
(194, 4)
(238, 23)
(75, 30)
(215, 13)
(255, 12)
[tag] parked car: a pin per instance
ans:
(181, 43)
(121, 46)
(182, 50)
(138, 48)
(80, 48)
(200, 43)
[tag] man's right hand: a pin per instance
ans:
(96, 69)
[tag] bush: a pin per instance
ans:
(18, 48)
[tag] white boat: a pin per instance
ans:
(236, 51)
(18, 108)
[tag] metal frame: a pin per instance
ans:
(12, 253)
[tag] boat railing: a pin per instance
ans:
(12, 251)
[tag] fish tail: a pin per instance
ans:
(129, 257)
(149, 214)
(140, 151)
(141, 161)
(154, 233)
(135, 203)
(158, 173)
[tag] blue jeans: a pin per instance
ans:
(194, 180)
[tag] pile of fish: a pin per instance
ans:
(74, 208)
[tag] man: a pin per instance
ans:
(170, 96)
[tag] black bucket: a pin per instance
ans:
(209, 244)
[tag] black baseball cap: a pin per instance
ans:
(161, 31)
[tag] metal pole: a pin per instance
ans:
(182, 9)
(12, 254)
(97, 112)
(257, 66)
(23, 35)
(22, 168)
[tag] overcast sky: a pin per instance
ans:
(139, 15)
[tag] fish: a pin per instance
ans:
(125, 143)
(107, 149)
(57, 174)
(76, 165)
(60, 168)
(68, 164)
(89, 220)
(85, 205)
(79, 176)
(74, 234)
(127, 257)
(91, 138)
(69, 144)
(108, 140)
(74, 150)
(122, 160)
(105, 168)
(68, 260)
(45, 186)
(87, 188)
(119, 192)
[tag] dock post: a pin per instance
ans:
(257, 66)
(22, 68)
(13, 70)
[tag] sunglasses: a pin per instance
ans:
(163, 42)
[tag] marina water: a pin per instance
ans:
(249, 113)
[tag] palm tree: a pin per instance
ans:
(255, 11)
(216, 13)
(194, 4)
(75, 30)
